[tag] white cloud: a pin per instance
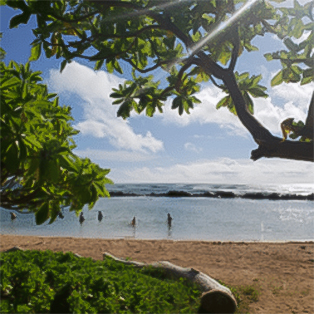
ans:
(233, 171)
(117, 156)
(294, 92)
(100, 118)
(191, 147)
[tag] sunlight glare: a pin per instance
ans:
(222, 27)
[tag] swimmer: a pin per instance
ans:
(100, 215)
(13, 216)
(169, 220)
(81, 218)
(133, 222)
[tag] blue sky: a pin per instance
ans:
(207, 146)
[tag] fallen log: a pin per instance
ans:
(215, 298)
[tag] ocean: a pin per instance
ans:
(214, 212)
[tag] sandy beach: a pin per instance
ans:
(283, 272)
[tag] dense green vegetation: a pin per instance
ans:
(39, 170)
(43, 282)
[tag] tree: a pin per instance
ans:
(194, 41)
(39, 171)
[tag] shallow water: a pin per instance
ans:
(193, 219)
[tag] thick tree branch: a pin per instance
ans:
(258, 131)
(269, 145)
(285, 149)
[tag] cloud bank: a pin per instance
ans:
(222, 170)
(100, 119)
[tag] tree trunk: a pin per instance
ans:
(216, 298)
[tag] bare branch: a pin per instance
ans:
(156, 66)
(235, 51)
(285, 149)
(310, 116)
(187, 64)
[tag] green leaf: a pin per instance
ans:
(11, 82)
(110, 66)
(223, 102)
(257, 92)
(63, 64)
(277, 79)
(124, 109)
(42, 214)
(99, 64)
(268, 56)
(18, 19)
(35, 52)
(53, 170)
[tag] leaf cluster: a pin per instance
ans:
(173, 36)
(147, 35)
(295, 26)
(248, 86)
(39, 171)
(47, 282)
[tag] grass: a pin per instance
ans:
(244, 295)
(47, 282)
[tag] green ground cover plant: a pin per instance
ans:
(48, 282)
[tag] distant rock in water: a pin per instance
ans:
(120, 193)
(224, 194)
(220, 194)
(60, 215)
(310, 197)
(255, 196)
(177, 194)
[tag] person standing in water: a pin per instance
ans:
(169, 220)
(81, 218)
(100, 216)
(133, 222)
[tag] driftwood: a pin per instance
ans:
(216, 298)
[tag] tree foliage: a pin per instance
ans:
(39, 171)
(194, 41)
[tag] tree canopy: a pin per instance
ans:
(39, 171)
(195, 42)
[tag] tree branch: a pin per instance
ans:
(156, 66)
(188, 63)
(310, 116)
(258, 131)
(75, 20)
(235, 51)
(285, 149)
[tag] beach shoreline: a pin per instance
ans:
(283, 272)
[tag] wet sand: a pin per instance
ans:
(283, 272)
